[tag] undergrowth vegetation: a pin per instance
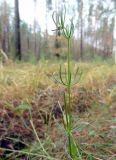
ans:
(93, 103)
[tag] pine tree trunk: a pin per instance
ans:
(81, 29)
(17, 31)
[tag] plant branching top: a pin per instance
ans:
(67, 31)
(62, 28)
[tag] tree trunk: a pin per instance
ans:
(80, 23)
(4, 41)
(17, 31)
(28, 42)
(34, 29)
(81, 41)
(81, 29)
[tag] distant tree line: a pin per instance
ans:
(94, 31)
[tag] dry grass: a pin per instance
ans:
(22, 80)
(94, 97)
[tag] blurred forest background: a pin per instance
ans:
(94, 37)
(33, 102)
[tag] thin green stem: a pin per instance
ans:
(27, 153)
(68, 61)
(69, 99)
(66, 111)
(69, 141)
(69, 84)
(41, 145)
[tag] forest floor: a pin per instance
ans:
(29, 98)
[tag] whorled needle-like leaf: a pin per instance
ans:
(60, 73)
(56, 79)
(66, 78)
(55, 18)
(62, 19)
(75, 81)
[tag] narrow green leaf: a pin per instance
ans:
(23, 107)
